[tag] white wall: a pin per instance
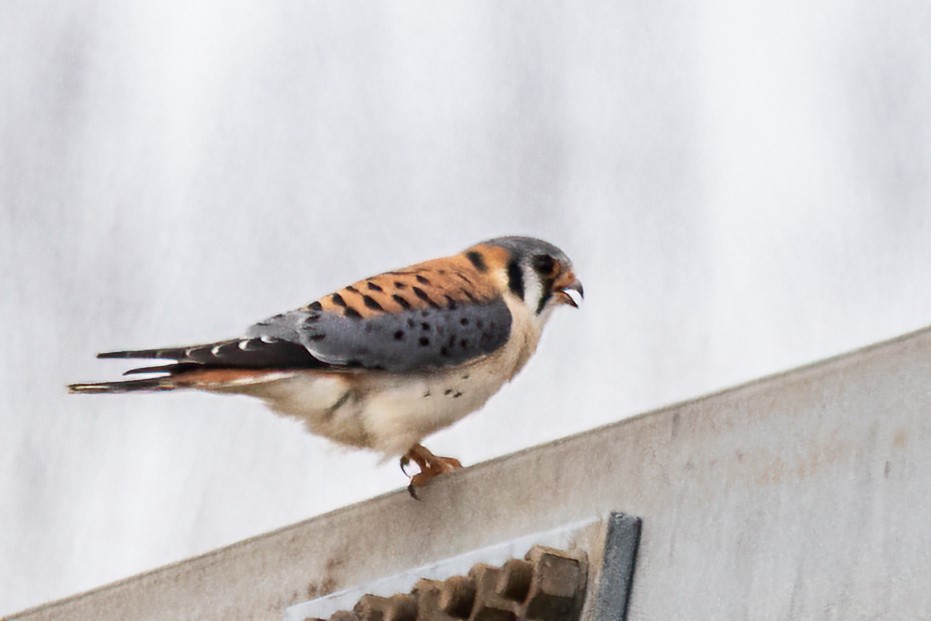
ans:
(743, 188)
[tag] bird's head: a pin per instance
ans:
(537, 272)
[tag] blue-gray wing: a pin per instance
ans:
(403, 341)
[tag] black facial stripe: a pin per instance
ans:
(516, 279)
(546, 295)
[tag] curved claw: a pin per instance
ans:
(405, 461)
(431, 466)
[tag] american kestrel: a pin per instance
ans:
(388, 360)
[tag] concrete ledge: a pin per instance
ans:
(802, 495)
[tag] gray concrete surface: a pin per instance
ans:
(799, 496)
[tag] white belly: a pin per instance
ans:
(385, 412)
(389, 412)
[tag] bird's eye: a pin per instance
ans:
(544, 264)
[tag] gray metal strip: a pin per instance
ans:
(622, 538)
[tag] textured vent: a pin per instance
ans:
(547, 585)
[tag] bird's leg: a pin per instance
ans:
(431, 466)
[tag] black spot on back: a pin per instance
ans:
(352, 313)
(420, 293)
(476, 258)
(338, 300)
(399, 285)
(351, 288)
(424, 341)
(371, 303)
(398, 335)
(315, 306)
(373, 287)
(404, 303)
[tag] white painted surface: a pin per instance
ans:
(742, 186)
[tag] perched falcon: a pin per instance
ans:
(390, 359)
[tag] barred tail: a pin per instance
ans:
(148, 384)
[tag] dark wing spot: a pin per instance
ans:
(352, 313)
(371, 303)
(464, 321)
(448, 391)
(477, 260)
(420, 293)
(422, 280)
(315, 306)
(471, 297)
(373, 287)
(457, 395)
(401, 301)
(450, 303)
(351, 288)
(338, 300)
(424, 341)
(399, 335)
(424, 326)
(399, 285)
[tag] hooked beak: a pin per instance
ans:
(568, 292)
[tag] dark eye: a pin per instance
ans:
(544, 264)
